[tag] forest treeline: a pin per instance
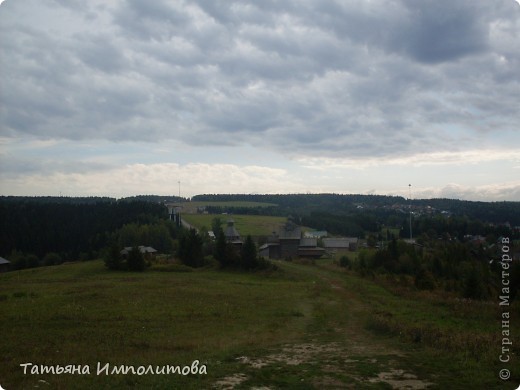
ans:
(72, 228)
(357, 221)
(304, 204)
(51, 230)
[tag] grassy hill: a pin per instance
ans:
(303, 327)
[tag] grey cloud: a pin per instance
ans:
(441, 32)
(427, 31)
(99, 53)
(490, 193)
(149, 20)
(321, 78)
(237, 13)
(13, 167)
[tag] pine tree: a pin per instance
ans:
(220, 250)
(249, 258)
(112, 257)
(190, 249)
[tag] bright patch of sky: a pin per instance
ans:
(130, 97)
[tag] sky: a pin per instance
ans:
(126, 97)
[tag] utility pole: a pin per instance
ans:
(179, 209)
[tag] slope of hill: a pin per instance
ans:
(305, 326)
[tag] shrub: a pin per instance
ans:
(424, 280)
(474, 287)
(135, 260)
(52, 258)
(344, 261)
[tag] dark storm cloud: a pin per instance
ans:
(427, 31)
(302, 77)
(441, 31)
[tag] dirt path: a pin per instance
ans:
(340, 351)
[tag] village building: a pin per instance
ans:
(271, 250)
(289, 239)
(232, 235)
(289, 243)
(147, 251)
(5, 265)
(174, 212)
(309, 248)
(341, 243)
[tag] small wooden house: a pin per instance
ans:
(147, 251)
(5, 265)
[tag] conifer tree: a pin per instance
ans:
(220, 250)
(249, 258)
(190, 249)
(113, 258)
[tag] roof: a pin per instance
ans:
(4, 261)
(308, 242)
(290, 231)
(143, 249)
(316, 234)
(231, 232)
(339, 242)
(311, 252)
(265, 246)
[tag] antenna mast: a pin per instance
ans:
(410, 207)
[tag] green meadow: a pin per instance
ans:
(254, 225)
(304, 326)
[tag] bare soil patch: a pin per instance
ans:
(357, 358)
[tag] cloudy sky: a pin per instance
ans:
(131, 97)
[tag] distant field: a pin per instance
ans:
(302, 327)
(254, 225)
(191, 207)
(395, 232)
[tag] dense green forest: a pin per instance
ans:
(357, 215)
(51, 230)
(304, 204)
(71, 228)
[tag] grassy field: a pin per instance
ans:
(254, 225)
(302, 327)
